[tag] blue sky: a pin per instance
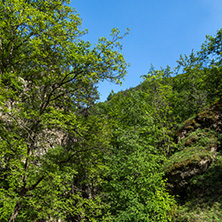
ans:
(160, 30)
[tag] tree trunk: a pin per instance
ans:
(15, 212)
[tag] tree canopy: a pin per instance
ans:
(48, 82)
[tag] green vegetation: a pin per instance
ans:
(135, 186)
(151, 153)
(205, 195)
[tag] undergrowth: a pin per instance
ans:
(204, 200)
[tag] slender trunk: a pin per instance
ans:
(15, 212)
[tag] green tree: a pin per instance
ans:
(210, 56)
(202, 74)
(135, 188)
(191, 96)
(48, 82)
(160, 94)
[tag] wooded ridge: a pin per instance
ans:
(149, 153)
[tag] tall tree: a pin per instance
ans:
(48, 82)
(159, 93)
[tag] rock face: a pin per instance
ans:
(178, 178)
(198, 141)
(211, 118)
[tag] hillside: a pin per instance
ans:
(150, 153)
(194, 172)
(181, 117)
(193, 166)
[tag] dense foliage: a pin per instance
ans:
(135, 186)
(51, 146)
(65, 157)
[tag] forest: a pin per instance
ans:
(149, 153)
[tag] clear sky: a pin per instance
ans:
(160, 30)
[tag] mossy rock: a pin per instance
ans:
(191, 140)
(188, 126)
(191, 171)
(197, 144)
(210, 118)
(204, 196)
(189, 156)
(184, 165)
(195, 154)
